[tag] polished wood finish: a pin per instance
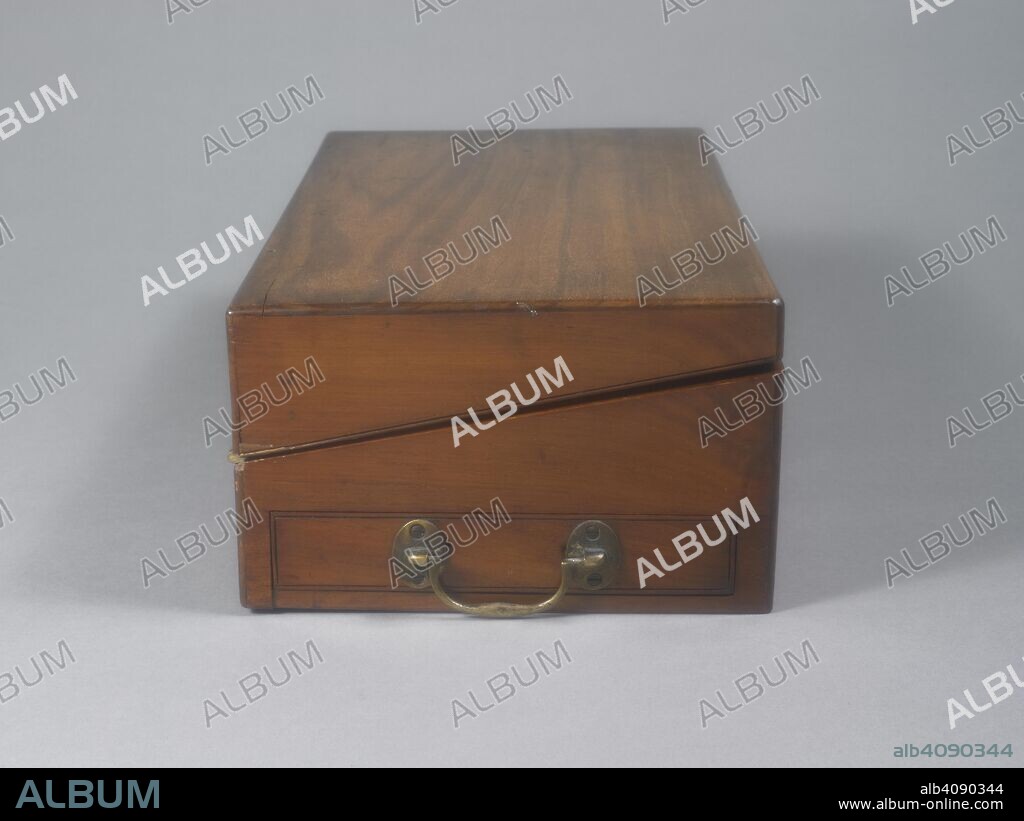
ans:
(338, 468)
(635, 461)
(587, 212)
(381, 373)
(320, 553)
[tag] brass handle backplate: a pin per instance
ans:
(591, 560)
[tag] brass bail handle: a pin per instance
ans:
(590, 562)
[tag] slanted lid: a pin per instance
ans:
(421, 287)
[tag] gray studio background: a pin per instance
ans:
(113, 468)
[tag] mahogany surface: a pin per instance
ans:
(339, 467)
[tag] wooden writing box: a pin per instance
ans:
(400, 290)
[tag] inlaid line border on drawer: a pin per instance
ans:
(684, 521)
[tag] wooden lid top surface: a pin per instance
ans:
(586, 212)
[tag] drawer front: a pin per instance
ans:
(522, 555)
(636, 462)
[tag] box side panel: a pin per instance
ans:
(306, 379)
(638, 461)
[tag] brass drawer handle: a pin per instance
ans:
(498, 609)
(592, 559)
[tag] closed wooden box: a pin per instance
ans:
(535, 353)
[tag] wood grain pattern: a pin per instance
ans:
(325, 553)
(381, 373)
(587, 212)
(337, 468)
(633, 457)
